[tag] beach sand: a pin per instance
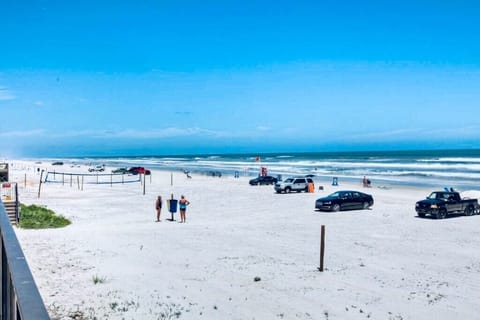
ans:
(383, 263)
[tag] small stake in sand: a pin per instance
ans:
(322, 248)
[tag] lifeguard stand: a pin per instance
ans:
(9, 198)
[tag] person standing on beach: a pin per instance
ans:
(183, 203)
(158, 206)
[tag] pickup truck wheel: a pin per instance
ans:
(442, 213)
(468, 211)
(336, 207)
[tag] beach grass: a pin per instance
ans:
(37, 217)
(98, 279)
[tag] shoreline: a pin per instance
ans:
(80, 168)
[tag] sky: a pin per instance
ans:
(111, 78)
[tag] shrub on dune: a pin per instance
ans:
(36, 217)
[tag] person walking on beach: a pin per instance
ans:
(183, 203)
(158, 206)
(366, 182)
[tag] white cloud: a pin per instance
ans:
(6, 94)
(144, 134)
(263, 128)
(22, 133)
(417, 133)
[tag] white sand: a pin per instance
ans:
(383, 263)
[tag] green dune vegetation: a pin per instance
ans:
(37, 217)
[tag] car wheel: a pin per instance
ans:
(366, 205)
(287, 190)
(468, 211)
(336, 207)
(442, 214)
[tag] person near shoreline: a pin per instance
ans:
(158, 207)
(183, 203)
(366, 182)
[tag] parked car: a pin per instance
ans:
(440, 204)
(293, 184)
(139, 170)
(120, 170)
(344, 200)
(263, 180)
(97, 169)
(57, 163)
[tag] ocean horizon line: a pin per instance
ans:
(398, 152)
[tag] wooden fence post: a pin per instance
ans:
(40, 184)
(322, 248)
(144, 183)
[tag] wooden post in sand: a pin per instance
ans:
(171, 179)
(71, 180)
(78, 181)
(25, 180)
(40, 184)
(143, 183)
(82, 183)
(322, 248)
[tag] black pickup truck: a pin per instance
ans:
(441, 203)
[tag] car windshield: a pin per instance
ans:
(335, 195)
(289, 180)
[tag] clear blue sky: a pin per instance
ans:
(173, 77)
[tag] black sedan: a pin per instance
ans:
(344, 200)
(263, 180)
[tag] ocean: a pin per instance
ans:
(459, 169)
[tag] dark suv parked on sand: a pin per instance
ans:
(263, 180)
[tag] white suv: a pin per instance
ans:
(293, 184)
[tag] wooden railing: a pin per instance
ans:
(20, 297)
